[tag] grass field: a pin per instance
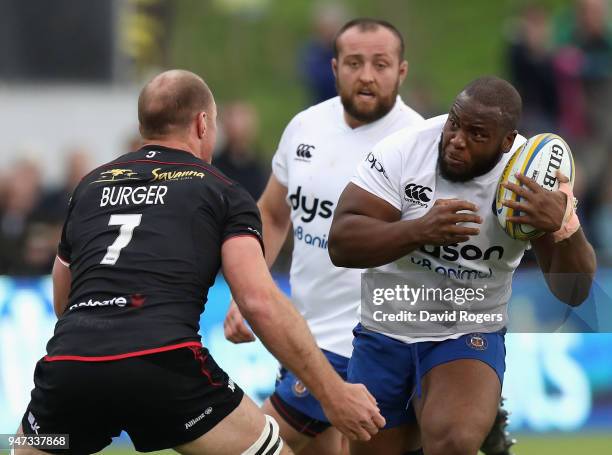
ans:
(528, 445)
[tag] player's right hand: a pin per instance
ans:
(353, 411)
(442, 224)
(235, 328)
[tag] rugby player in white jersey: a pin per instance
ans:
(424, 212)
(317, 155)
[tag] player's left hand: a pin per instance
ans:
(353, 411)
(234, 326)
(540, 208)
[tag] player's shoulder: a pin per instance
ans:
(412, 138)
(112, 168)
(157, 165)
(320, 114)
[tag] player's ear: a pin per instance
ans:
(334, 64)
(403, 71)
(201, 126)
(509, 140)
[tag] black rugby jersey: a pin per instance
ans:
(143, 239)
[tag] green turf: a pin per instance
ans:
(528, 445)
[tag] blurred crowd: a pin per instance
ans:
(32, 215)
(562, 66)
(560, 63)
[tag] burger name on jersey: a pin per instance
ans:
(128, 195)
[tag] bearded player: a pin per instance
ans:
(426, 210)
(316, 157)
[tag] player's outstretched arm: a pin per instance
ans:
(367, 231)
(61, 286)
(349, 407)
(275, 217)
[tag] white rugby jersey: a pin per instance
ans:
(408, 178)
(316, 158)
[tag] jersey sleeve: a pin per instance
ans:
(242, 215)
(380, 174)
(64, 249)
(280, 160)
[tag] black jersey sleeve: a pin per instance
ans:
(242, 215)
(64, 250)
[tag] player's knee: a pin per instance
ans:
(269, 441)
(454, 441)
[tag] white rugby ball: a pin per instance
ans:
(539, 158)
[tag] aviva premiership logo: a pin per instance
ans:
(158, 175)
(115, 175)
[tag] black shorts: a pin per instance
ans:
(161, 400)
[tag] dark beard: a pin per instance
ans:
(475, 171)
(379, 112)
(383, 107)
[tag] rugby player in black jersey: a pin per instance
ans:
(143, 241)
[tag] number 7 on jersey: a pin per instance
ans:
(128, 223)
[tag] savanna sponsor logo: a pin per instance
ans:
(187, 174)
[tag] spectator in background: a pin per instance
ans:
(237, 157)
(530, 64)
(602, 219)
(21, 195)
(584, 66)
(38, 249)
(31, 220)
(54, 206)
(317, 53)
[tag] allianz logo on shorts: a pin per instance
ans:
(192, 422)
(115, 301)
(417, 194)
